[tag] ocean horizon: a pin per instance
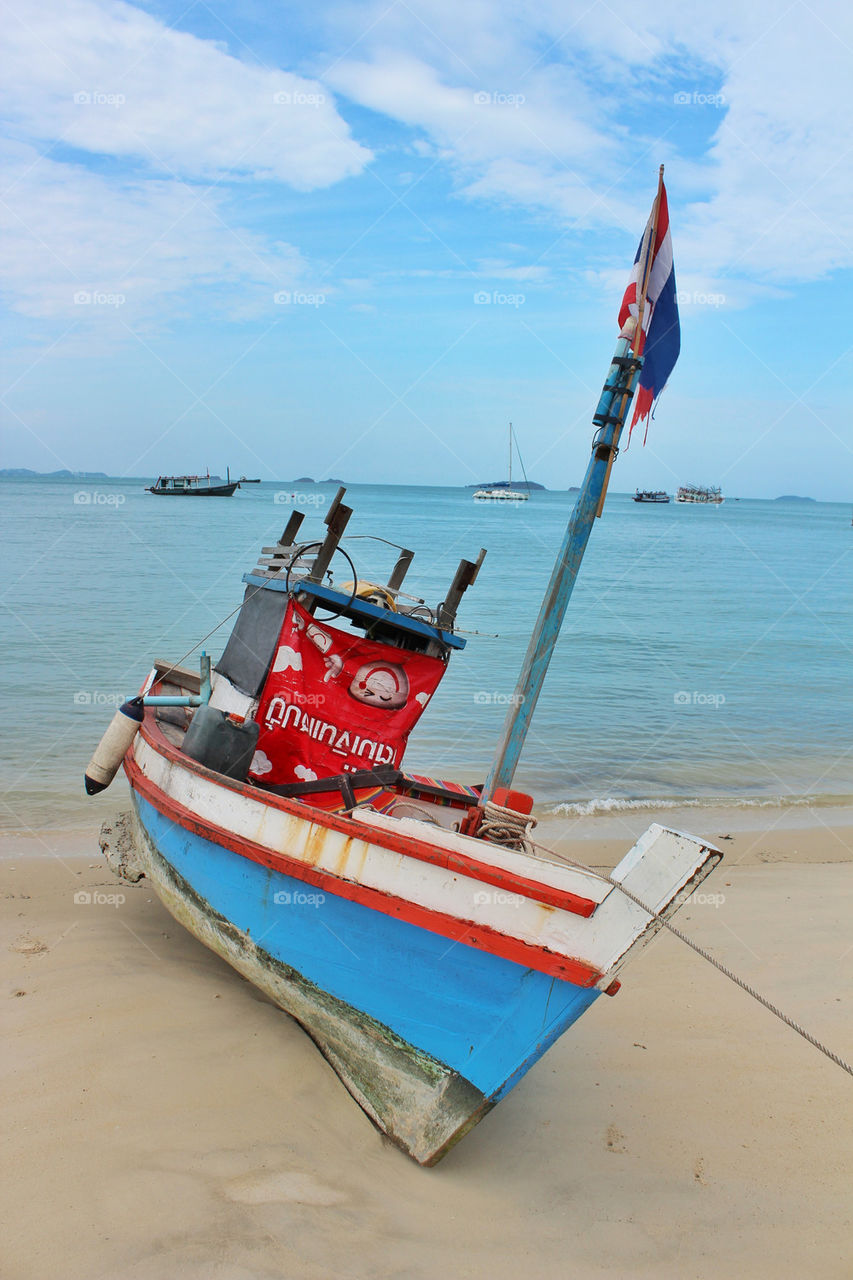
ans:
(700, 663)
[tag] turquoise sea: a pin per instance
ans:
(705, 657)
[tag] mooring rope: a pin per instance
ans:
(700, 951)
(506, 827)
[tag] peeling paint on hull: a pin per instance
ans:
(428, 991)
(417, 1101)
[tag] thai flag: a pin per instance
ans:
(660, 340)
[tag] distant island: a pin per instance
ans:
(23, 473)
(793, 497)
(311, 480)
(505, 484)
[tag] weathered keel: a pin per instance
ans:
(420, 1103)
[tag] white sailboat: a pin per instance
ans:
(502, 492)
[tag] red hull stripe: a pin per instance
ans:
(522, 953)
(459, 863)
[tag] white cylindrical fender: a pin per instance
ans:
(112, 748)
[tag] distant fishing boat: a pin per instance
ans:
(246, 480)
(651, 495)
(502, 490)
(413, 926)
(695, 493)
(193, 487)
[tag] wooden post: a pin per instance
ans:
(335, 519)
(609, 416)
(401, 568)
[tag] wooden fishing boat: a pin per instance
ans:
(431, 949)
(651, 495)
(696, 493)
(192, 487)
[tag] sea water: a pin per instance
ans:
(705, 657)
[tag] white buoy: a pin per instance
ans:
(112, 748)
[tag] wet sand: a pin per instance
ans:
(165, 1120)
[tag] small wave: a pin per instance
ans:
(612, 804)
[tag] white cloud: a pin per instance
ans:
(111, 79)
(771, 195)
(160, 112)
(66, 232)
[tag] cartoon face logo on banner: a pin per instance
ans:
(381, 684)
(335, 702)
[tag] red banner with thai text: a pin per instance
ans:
(335, 702)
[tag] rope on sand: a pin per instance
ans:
(733, 977)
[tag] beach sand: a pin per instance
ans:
(164, 1120)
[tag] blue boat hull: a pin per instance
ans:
(427, 1034)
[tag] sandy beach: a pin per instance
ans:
(165, 1120)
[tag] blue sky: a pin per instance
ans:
(256, 235)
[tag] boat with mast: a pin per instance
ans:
(431, 948)
(502, 490)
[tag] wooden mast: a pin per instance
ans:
(608, 419)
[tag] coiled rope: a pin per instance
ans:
(506, 827)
